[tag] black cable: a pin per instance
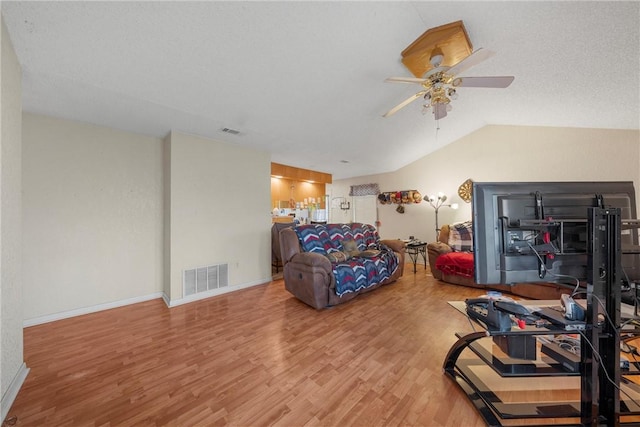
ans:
(580, 292)
(567, 343)
(631, 349)
(601, 363)
(596, 354)
(633, 322)
(542, 266)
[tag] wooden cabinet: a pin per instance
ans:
(288, 182)
(298, 174)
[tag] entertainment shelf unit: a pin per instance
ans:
(600, 393)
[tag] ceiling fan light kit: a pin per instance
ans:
(435, 59)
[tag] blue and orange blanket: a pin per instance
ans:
(361, 269)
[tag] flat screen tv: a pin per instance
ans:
(514, 243)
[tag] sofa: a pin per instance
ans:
(276, 257)
(328, 264)
(451, 261)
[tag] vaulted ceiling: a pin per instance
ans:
(305, 80)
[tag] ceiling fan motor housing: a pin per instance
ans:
(433, 57)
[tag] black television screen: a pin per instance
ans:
(537, 231)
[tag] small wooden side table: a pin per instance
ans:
(414, 250)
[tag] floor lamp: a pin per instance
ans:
(436, 203)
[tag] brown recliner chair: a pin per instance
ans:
(276, 256)
(309, 276)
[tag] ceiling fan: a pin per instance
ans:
(440, 82)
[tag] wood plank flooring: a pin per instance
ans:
(253, 357)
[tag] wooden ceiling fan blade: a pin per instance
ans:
(474, 59)
(440, 110)
(494, 82)
(405, 80)
(404, 103)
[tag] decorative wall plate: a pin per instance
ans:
(465, 190)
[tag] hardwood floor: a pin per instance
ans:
(253, 357)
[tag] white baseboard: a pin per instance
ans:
(12, 391)
(170, 303)
(212, 293)
(166, 299)
(86, 310)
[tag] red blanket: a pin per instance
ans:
(457, 263)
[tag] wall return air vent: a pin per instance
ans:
(204, 279)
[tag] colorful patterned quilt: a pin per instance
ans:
(358, 273)
(461, 236)
(360, 270)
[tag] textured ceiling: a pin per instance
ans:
(304, 80)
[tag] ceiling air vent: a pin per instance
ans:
(231, 131)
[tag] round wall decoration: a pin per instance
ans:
(465, 190)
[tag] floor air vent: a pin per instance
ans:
(205, 279)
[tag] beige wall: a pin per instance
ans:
(501, 153)
(12, 367)
(92, 215)
(166, 217)
(219, 210)
(112, 217)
